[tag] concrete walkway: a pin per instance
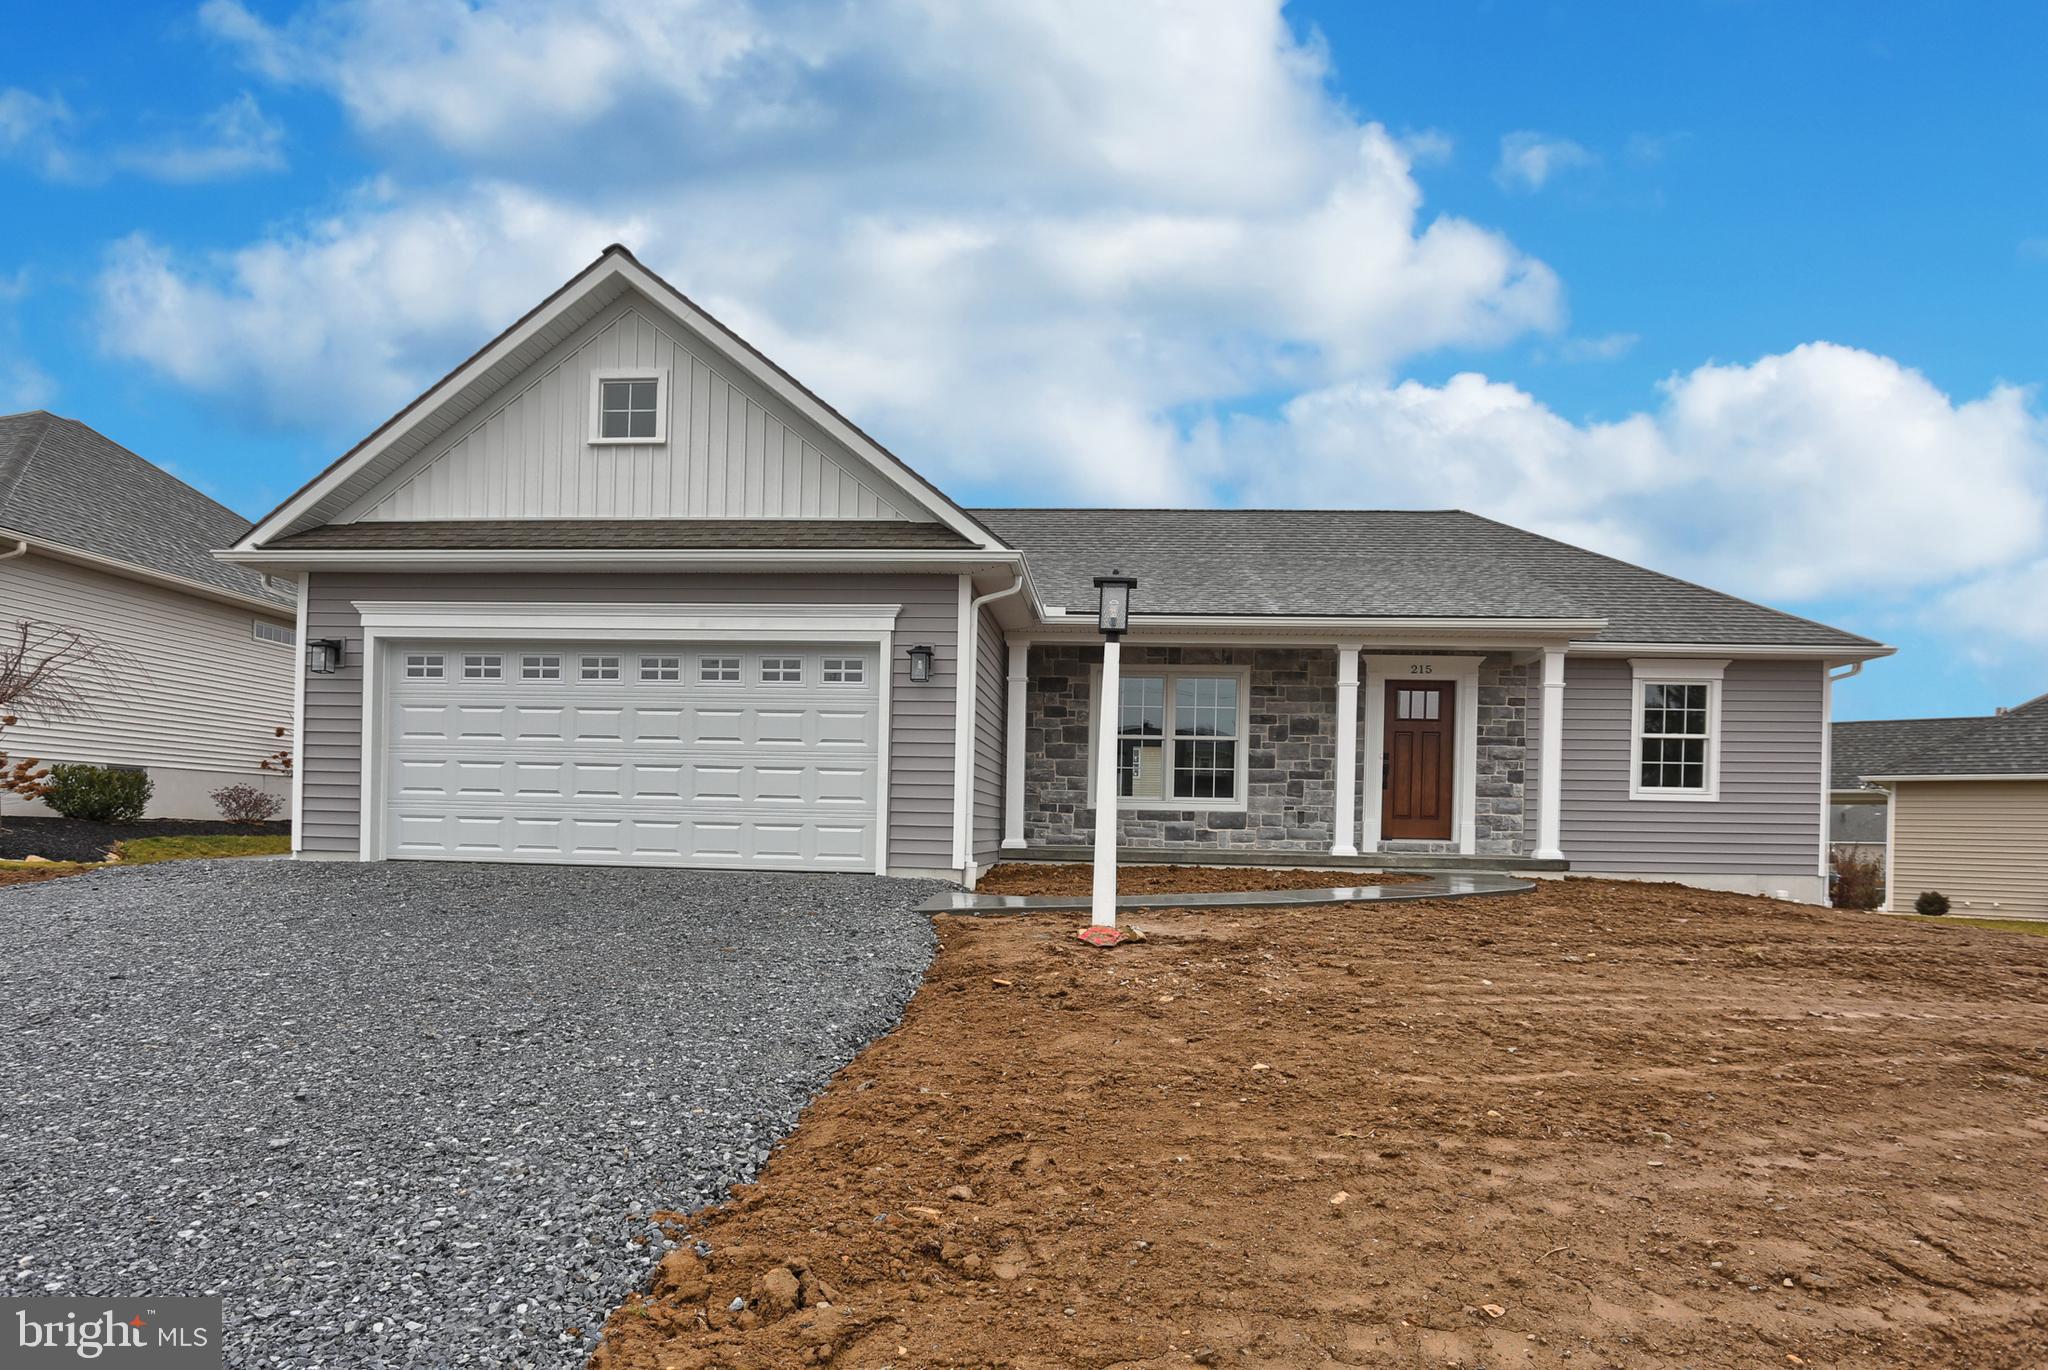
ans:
(1441, 885)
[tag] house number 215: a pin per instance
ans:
(1421, 669)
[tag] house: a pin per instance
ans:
(199, 657)
(1859, 814)
(618, 589)
(1968, 815)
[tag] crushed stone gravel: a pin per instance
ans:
(413, 1114)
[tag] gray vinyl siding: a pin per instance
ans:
(991, 712)
(186, 685)
(732, 450)
(921, 716)
(1767, 819)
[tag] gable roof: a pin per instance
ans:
(1381, 562)
(471, 385)
(1877, 746)
(2013, 743)
(65, 484)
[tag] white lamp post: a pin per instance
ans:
(1114, 617)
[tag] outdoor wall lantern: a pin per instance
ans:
(323, 655)
(1113, 616)
(920, 665)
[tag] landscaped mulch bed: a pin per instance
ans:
(68, 839)
(1034, 877)
(1594, 1125)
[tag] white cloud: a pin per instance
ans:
(1821, 470)
(33, 129)
(1604, 348)
(1528, 160)
(233, 140)
(350, 316)
(988, 232)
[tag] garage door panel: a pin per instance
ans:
(654, 768)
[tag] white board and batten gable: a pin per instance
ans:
(513, 433)
(730, 450)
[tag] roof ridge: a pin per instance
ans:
(1676, 580)
(155, 467)
(12, 471)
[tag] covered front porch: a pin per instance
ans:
(1422, 750)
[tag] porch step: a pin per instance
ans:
(1371, 861)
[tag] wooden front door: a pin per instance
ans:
(1416, 776)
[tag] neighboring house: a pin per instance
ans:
(1858, 815)
(1969, 815)
(199, 656)
(620, 590)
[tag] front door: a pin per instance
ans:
(1416, 776)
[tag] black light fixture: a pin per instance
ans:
(1114, 612)
(323, 655)
(920, 665)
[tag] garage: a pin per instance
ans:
(744, 755)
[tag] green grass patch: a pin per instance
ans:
(2021, 925)
(144, 851)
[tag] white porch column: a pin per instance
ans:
(1346, 826)
(1013, 747)
(1550, 753)
(1103, 903)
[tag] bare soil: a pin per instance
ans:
(1598, 1125)
(30, 874)
(1033, 877)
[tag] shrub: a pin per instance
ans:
(1859, 880)
(246, 804)
(1933, 903)
(98, 794)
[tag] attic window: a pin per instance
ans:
(629, 407)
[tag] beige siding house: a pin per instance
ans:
(619, 590)
(1969, 816)
(200, 657)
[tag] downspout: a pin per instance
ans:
(964, 727)
(20, 550)
(1827, 782)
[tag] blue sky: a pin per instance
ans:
(1748, 292)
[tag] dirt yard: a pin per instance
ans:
(1600, 1125)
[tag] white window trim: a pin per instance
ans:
(1243, 676)
(1460, 671)
(1675, 671)
(388, 624)
(659, 375)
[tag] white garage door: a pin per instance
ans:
(633, 755)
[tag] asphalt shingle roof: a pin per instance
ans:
(1877, 746)
(2011, 743)
(1377, 563)
(63, 482)
(582, 534)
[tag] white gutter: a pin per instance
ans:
(604, 559)
(1835, 653)
(1895, 779)
(130, 571)
(1350, 624)
(966, 686)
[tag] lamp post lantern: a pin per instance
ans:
(1114, 618)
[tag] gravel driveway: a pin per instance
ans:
(412, 1114)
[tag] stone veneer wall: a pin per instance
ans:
(1290, 752)
(1291, 758)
